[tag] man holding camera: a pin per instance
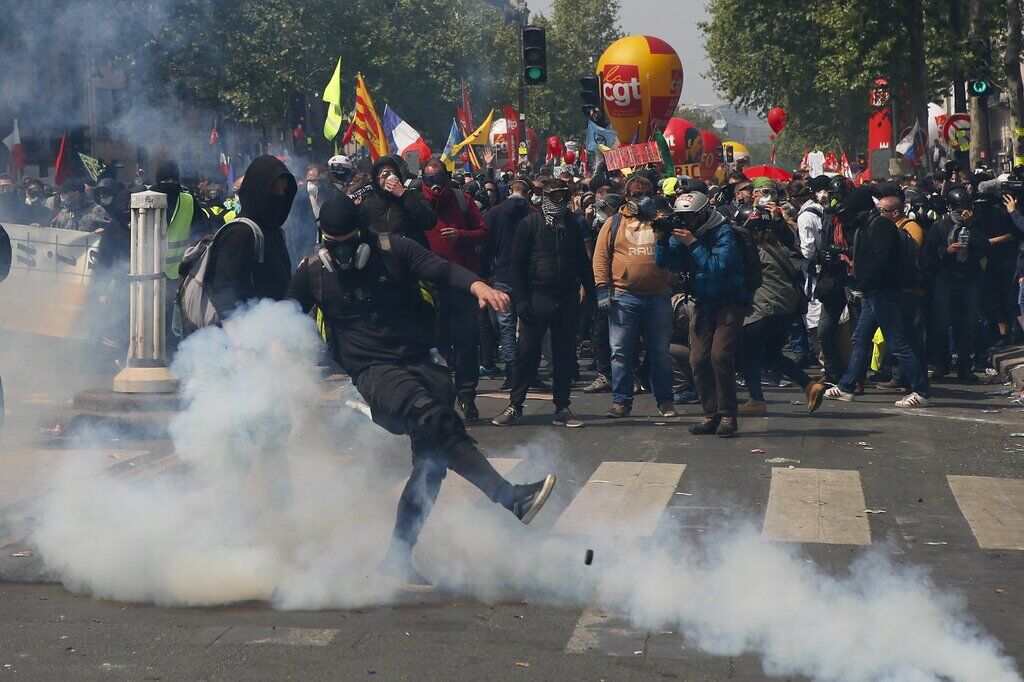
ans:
(634, 292)
(704, 241)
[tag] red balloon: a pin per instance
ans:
(684, 141)
(777, 119)
(569, 157)
(771, 136)
(710, 159)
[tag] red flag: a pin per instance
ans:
(347, 137)
(214, 135)
(512, 136)
(467, 111)
(464, 121)
(62, 168)
(13, 142)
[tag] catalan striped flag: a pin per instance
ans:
(368, 130)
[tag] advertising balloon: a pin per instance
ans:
(641, 80)
(739, 151)
(777, 119)
(554, 148)
(684, 141)
(569, 157)
(710, 160)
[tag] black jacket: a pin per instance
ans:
(501, 223)
(237, 276)
(938, 261)
(550, 260)
(408, 215)
(876, 256)
(377, 316)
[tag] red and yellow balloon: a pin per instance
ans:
(641, 80)
(685, 143)
(710, 160)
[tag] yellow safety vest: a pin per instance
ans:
(178, 231)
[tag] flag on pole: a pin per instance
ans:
(214, 135)
(368, 131)
(481, 135)
(512, 136)
(13, 142)
(468, 156)
(93, 166)
(455, 139)
(910, 146)
(62, 167)
(402, 137)
(467, 122)
(597, 136)
(223, 164)
(332, 95)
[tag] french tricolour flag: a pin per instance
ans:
(402, 137)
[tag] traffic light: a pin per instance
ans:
(730, 153)
(591, 96)
(980, 87)
(535, 55)
(720, 154)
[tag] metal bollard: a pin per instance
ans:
(146, 371)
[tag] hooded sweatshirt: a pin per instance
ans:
(237, 276)
(632, 260)
(469, 222)
(408, 215)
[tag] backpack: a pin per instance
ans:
(193, 299)
(911, 266)
(752, 275)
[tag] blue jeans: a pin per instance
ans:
(883, 311)
(651, 316)
(507, 330)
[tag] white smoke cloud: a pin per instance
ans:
(270, 512)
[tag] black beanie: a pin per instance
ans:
(339, 216)
(167, 170)
(857, 201)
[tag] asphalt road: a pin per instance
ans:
(935, 482)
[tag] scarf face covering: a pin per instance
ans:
(553, 210)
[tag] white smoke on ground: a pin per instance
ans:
(271, 512)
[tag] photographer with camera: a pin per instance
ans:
(632, 289)
(953, 254)
(703, 242)
(877, 266)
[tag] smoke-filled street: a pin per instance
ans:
(855, 546)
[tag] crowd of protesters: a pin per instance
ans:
(687, 290)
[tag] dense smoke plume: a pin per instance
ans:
(270, 511)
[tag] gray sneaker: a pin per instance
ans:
(667, 409)
(506, 418)
(565, 417)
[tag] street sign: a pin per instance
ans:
(522, 149)
(956, 131)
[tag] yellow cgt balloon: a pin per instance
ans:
(641, 80)
(739, 152)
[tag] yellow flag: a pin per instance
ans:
(481, 135)
(368, 130)
(332, 95)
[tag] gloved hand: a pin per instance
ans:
(524, 311)
(604, 302)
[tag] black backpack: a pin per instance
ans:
(752, 275)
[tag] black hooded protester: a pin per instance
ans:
(238, 274)
(390, 208)
(367, 286)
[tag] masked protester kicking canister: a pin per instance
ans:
(367, 286)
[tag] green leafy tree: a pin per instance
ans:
(702, 119)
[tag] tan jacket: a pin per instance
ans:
(632, 266)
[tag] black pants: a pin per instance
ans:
(828, 336)
(682, 373)
(600, 341)
(561, 316)
(763, 342)
(416, 399)
(460, 339)
(954, 305)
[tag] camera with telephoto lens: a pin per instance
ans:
(828, 257)
(663, 225)
(998, 188)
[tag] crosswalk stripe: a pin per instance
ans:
(621, 498)
(993, 507)
(816, 505)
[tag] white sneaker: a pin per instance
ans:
(836, 393)
(913, 400)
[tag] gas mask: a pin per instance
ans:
(821, 197)
(312, 188)
(642, 206)
(348, 256)
(434, 181)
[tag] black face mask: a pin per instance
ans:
(281, 207)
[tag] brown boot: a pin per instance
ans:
(727, 427)
(753, 407)
(706, 426)
(815, 392)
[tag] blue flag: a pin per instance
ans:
(455, 138)
(596, 135)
